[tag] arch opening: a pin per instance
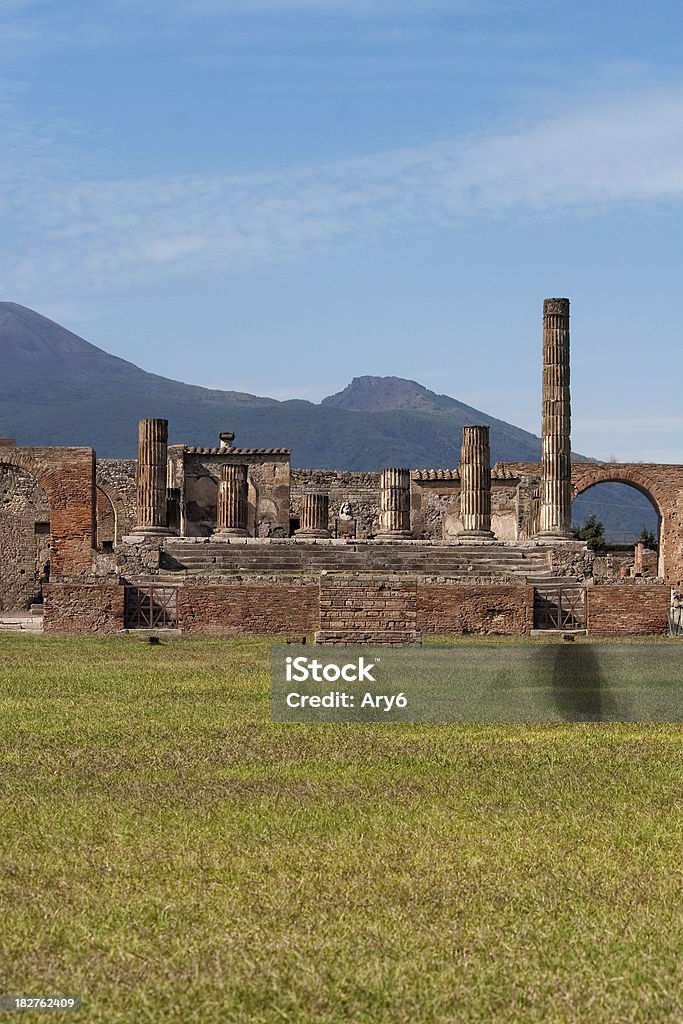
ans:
(107, 528)
(631, 524)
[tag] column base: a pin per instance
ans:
(226, 532)
(394, 535)
(304, 534)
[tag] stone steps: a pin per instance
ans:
(19, 622)
(487, 561)
(296, 555)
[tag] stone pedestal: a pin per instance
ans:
(394, 518)
(345, 529)
(232, 502)
(314, 516)
(556, 473)
(150, 479)
(475, 484)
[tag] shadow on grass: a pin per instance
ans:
(578, 688)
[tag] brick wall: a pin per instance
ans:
(456, 608)
(356, 603)
(249, 607)
(345, 606)
(83, 608)
(67, 475)
(356, 609)
(641, 608)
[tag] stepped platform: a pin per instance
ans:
(488, 561)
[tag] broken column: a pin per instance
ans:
(232, 502)
(475, 483)
(314, 516)
(150, 478)
(394, 518)
(556, 470)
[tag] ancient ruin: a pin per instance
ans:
(231, 540)
(556, 467)
(475, 483)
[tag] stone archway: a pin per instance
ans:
(67, 475)
(662, 485)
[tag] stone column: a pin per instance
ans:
(394, 519)
(475, 483)
(150, 478)
(314, 516)
(232, 502)
(556, 485)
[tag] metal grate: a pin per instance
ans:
(151, 608)
(560, 608)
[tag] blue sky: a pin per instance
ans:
(274, 196)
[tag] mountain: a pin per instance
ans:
(394, 395)
(386, 394)
(57, 388)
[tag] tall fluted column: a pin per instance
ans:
(314, 516)
(475, 483)
(150, 478)
(232, 502)
(556, 499)
(394, 519)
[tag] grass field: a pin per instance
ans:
(170, 854)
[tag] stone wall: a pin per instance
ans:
(434, 501)
(637, 561)
(628, 608)
(24, 538)
(83, 608)
(572, 559)
(268, 492)
(435, 508)
(360, 489)
(456, 608)
(435, 505)
(116, 478)
(249, 607)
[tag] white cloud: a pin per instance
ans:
(94, 233)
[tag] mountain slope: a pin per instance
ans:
(57, 388)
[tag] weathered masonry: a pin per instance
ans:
(228, 540)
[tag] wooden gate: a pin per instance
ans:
(151, 607)
(560, 607)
